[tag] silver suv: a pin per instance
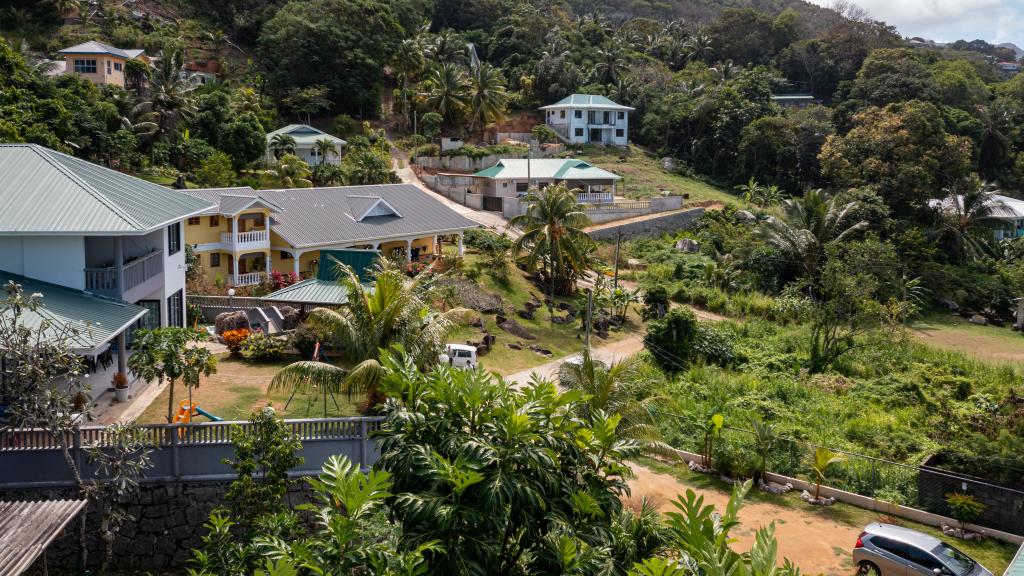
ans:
(894, 551)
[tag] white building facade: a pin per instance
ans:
(589, 119)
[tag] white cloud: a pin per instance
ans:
(948, 20)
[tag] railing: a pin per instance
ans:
(135, 273)
(185, 452)
(261, 237)
(218, 304)
(248, 279)
(595, 197)
(619, 205)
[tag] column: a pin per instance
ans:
(234, 279)
(234, 233)
(461, 252)
(295, 262)
(122, 353)
(408, 250)
(119, 265)
(270, 265)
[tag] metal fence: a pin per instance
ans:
(181, 452)
(921, 487)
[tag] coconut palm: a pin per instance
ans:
(395, 312)
(281, 144)
(170, 95)
(324, 147)
(447, 48)
(553, 234)
(822, 459)
(725, 71)
(613, 390)
(808, 225)
(487, 96)
(966, 218)
(610, 65)
(699, 47)
(449, 91)
(289, 172)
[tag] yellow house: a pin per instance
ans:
(249, 233)
(99, 62)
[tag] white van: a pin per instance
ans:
(461, 356)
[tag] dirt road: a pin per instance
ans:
(817, 545)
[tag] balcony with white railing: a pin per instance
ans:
(138, 275)
(250, 240)
(248, 279)
(595, 197)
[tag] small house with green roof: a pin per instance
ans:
(513, 177)
(305, 138)
(589, 119)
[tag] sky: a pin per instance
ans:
(995, 21)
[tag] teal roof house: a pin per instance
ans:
(513, 177)
(589, 119)
(305, 138)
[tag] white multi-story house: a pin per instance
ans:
(589, 119)
(305, 138)
(101, 237)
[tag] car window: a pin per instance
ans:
(957, 562)
(891, 546)
(923, 558)
(463, 354)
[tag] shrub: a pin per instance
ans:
(424, 150)
(346, 126)
(234, 339)
(279, 280)
(486, 241)
(303, 339)
(655, 302)
(262, 347)
(964, 507)
(678, 339)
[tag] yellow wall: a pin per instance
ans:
(101, 76)
(203, 233)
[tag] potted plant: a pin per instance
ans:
(120, 383)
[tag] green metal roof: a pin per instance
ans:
(586, 101)
(546, 169)
(305, 134)
(361, 262)
(96, 319)
(1016, 567)
(312, 291)
(46, 192)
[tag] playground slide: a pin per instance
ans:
(208, 415)
(186, 413)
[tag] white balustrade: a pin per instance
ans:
(248, 279)
(250, 239)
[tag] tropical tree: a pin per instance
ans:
(808, 225)
(699, 47)
(553, 236)
(966, 217)
(449, 91)
(487, 96)
(289, 172)
(171, 354)
(324, 147)
(822, 460)
(610, 65)
(765, 436)
(170, 94)
(750, 191)
(447, 48)
(281, 144)
(395, 312)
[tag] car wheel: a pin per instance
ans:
(866, 568)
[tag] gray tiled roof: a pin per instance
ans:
(43, 191)
(94, 47)
(309, 217)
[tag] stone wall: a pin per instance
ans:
(650, 227)
(168, 525)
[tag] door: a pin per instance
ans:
(241, 265)
(148, 322)
(595, 135)
(923, 563)
(893, 557)
(493, 203)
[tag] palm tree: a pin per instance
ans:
(38, 64)
(447, 48)
(613, 390)
(808, 225)
(725, 71)
(449, 90)
(610, 65)
(289, 172)
(487, 97)
(966, 218)
(699, 46)
(821, 460)
(395, 312)
(169, 94)
(324, 147)
(553, 233)
(281, 144)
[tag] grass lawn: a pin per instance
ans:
(991, 553)
(561, 339)
(239, 387)
(952, 332)
(643, 176)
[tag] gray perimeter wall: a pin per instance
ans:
(650, 227)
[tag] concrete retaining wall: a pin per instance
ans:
(649, 227)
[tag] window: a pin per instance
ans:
(579, 113)
(214, 221)
(922, 558)
(619, 132)
(85, 66)
(522, 187)
(194, 221)
(173, 239)
(285, 255)
(578, 132)
(118, 66)
(215, 260)
(955, 560)
(175, 310)
(108, 66)
(622, 115)
(891, 546)
(561, 113)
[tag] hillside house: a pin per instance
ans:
(1007, 213)
(795, 101)
(305, 137)
(513, 177)
(105, 245)
(589, 119)
(100, 63)
(248, 233)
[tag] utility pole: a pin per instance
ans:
(590, 316)
(618, 242)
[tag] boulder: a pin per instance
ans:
(688, 245)
(541, 351)
(290, 317)
(514, 328)
(525, 314)
(949, 304)
(477, 322)
(669, 163)
(515, 345)
(745, 217)
(978, 319)
(230, 321)
(634, 263)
